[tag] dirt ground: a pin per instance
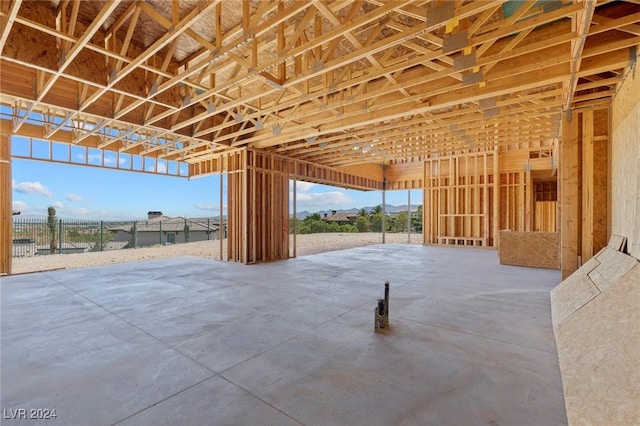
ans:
(305, 245)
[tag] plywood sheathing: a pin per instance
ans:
(625, 151)
(613, 265)
(601, 171)
(596, 332)
(536, 249)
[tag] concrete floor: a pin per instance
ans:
(192, 341)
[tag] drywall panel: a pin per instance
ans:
(537, 249)
(625, 152)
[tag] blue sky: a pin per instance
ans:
(83, 192)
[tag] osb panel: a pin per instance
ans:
(617, 242)
(625, 151)
(29, 45)
(573, 293)
(537, 249)
(601, 122)
(600, 191)
(598, 350)
(614, 264)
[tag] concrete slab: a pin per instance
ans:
(214, 401)
(413, 374)
(196, 341)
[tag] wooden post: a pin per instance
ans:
(220, 218)
(295, 214)
(496, 198)
(6, 220)
(409, 216)
(528, 188)
(587, 185)
(244, 214)
(427, 202)
(568, 196)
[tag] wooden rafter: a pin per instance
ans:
(312, 80)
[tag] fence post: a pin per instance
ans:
(59, 237)
(101, 235)
(135, 235)
(160, 222)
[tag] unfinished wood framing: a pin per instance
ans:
(545, 207)
(584, 200)
(625, 191)
(237, 239)
(6, 221)
(457, 195)
(513, 201)
(569, 198)
(334, 92)
(587, 165)
(268, 212)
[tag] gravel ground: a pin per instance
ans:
(305, 245)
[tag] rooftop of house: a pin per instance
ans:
(339, 217)
(169, 224)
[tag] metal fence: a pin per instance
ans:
(37, 237)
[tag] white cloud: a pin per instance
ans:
(58, 205)
(20, 206)
(304, 186)
(162, 168)
(32, 188)
(309, 200)
(73, 197)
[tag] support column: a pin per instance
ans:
(496, 199)
(263, 199)
(569, 197)
(6, 221)
(587, 186)
(528, 205)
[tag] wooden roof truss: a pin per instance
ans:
(331, 82)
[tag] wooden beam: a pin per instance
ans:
(6, 220)
(582, 23)
(167, 38)
(588, 170)
(569, 198)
